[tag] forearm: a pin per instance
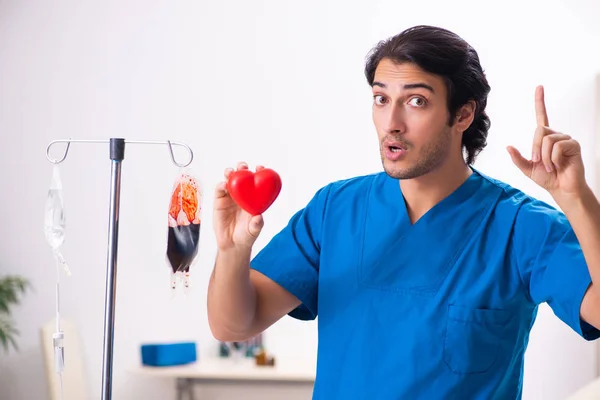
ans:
(231, 296)
(583, 213)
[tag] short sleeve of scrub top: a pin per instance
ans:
(552, 265)
(291, 258)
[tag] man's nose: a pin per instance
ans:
(396, 121)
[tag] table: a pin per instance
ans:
(219, 370)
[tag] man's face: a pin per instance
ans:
(410, 114)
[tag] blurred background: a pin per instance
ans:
(277, 83)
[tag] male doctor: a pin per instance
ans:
(426, 277)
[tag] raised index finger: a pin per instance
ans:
(540, 107)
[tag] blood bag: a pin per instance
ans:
(184, 222)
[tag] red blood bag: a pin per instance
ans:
(184, 227)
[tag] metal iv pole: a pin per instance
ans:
(117, 155)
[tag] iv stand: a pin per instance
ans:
(117, 154)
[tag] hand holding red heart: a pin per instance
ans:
(239, 203)
(556, 163)
(254, 191)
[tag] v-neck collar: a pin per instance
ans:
(458, 196)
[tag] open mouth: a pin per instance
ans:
(396, 149)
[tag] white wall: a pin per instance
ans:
(270, 82)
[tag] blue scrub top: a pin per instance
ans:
(440, 309)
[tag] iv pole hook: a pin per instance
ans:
(167, 142)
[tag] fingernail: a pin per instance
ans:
(548, 168)
(535, 157)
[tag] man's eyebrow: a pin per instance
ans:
(419, 85)
(408, 86)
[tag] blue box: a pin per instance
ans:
(168, 354)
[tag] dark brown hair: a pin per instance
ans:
(443, 53)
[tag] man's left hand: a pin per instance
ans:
(556, 163)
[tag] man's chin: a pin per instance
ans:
(401, 171)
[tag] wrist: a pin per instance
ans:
(234, 255)
(576, 202)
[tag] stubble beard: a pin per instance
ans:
(429, 158)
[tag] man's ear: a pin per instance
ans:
(465, 115)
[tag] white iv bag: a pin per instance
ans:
(54, 219)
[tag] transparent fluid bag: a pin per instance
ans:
(184, 222)
(54, 218)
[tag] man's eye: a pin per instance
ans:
(417, 102)
(379, 100)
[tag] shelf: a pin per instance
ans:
(230, 370)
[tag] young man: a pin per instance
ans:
(426, 277)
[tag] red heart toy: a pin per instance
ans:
(254, 191)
